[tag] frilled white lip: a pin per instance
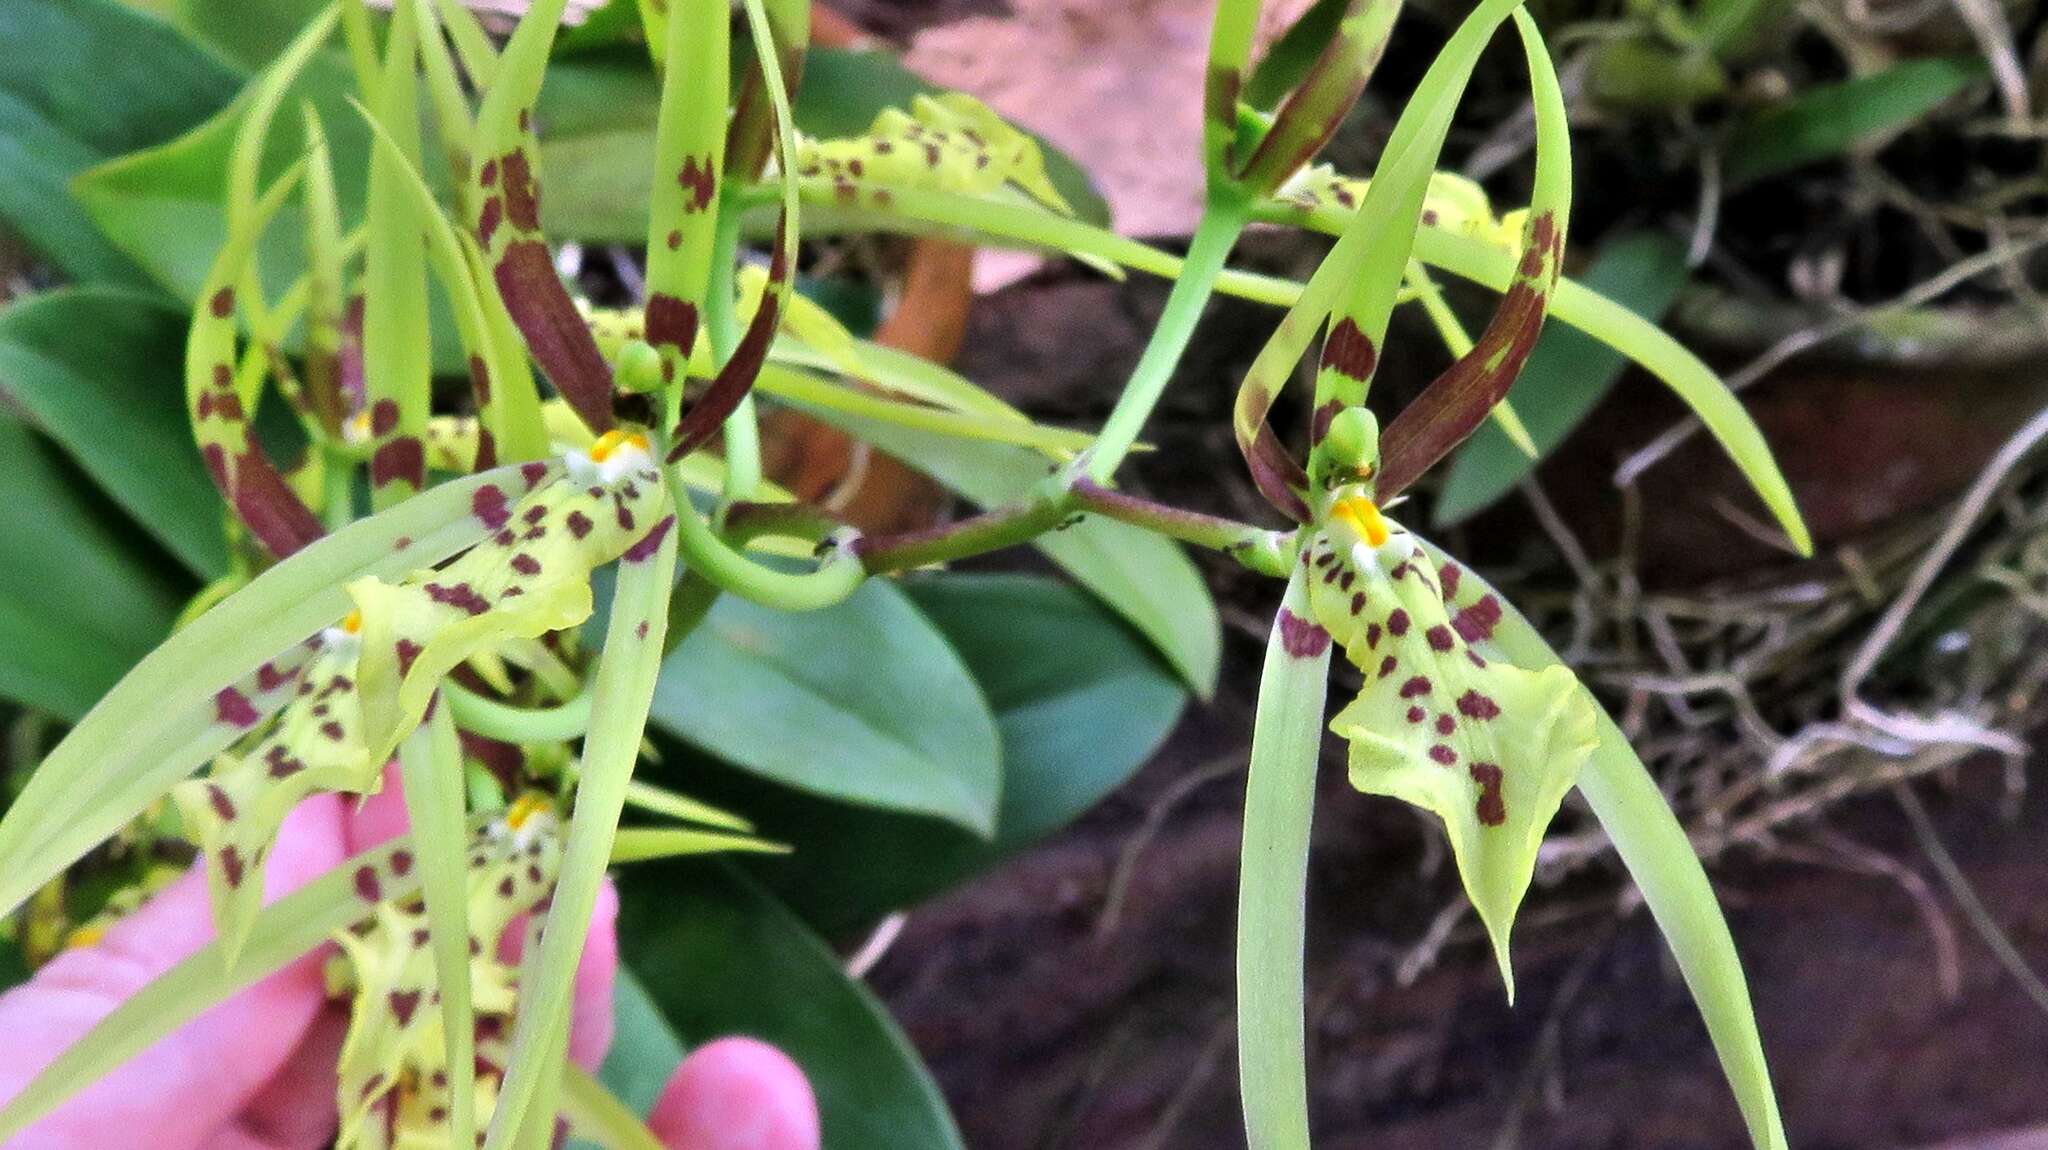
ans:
(614, 456)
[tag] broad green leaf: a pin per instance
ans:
(286, 929)
(1080, 700)
(863, 701)
(70, 358)
(1272, 923)
(645, 1050)
(740, 962)
(165, 206)
(1147, 579)
(169, 713)
(620, 695)
(1660, 859)
(79, 604)
(1828, 120)
(249, 34)
(1568, 373)
(83, 81)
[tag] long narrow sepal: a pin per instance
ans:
(397, 355)
(240, 468)
(1453, 406)
(689, 161)
(623, 691)
(1287, 739)
(430, 762)
(737, 374)
(507, 223)
(1312, 112)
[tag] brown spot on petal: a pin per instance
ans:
(403, 460)
(522, 197)
(383, 417)
(403, 1004)
(231, 868)
(1349, 352)
(367, 887)
(579, 524)
(1417, 685)
(221, 803)
(406, 651)
(1397, 623)
(644, 550)
(1301, 637)
(232, 706)
(1474, 705)
(401, 863)
(1476, 623)
(671, 322)
(222, 305)
(1492, 808)
(1439, 638)
(488, 504)
(1443, 755)
(699, 182)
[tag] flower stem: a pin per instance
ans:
(1214, 237)
(508, 724)
(1260, 550)
(742, 427)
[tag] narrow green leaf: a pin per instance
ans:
(430, 762)
(740, 962)
(1567, 375)
(1147, 579)
(594, 1111)
(250, 35)
(286, 929)
(52, 126)
(1280, 793)
(1827, 120)
(643, 844)
(166, 716)
(70, 357)
(863, 701)
(624, 687)
(645, 1050)
(1660, 858)
(78, 603)
(814, 392)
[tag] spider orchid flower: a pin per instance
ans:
(1443, 720)
(361, 684)
(394, 1085)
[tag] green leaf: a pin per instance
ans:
(166, 206)
(739, 962)
(1568, 373)
(74, 356)
(288, 928)
(863, 701)
(249, 34)
(1660, 859)
(1146, 579)
(82, 81)
(1080, 699)
(79, 604)
(645, 1050)
(165, 716)
(1830, 119)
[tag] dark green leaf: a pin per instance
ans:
(79, 604)
(250, 34)
(1828, 120)
(863, 702)
(81, 81)
(1567, 374)
(1080, 698)
(721, 956)
(645, 1050)
(98, 369)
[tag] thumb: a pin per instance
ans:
(183, 1089)
(737, 1094)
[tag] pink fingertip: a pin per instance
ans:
(737, 1094)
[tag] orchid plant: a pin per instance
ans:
(415, 586)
